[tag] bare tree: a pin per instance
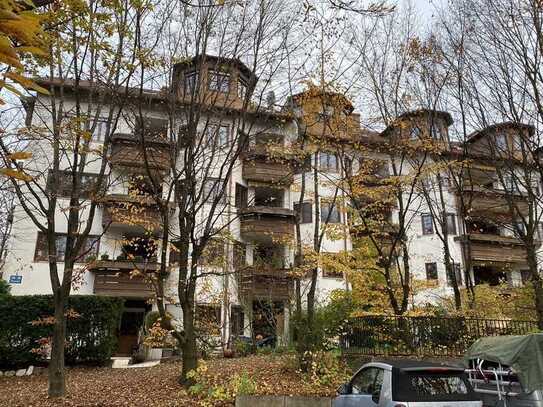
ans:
(49, 161)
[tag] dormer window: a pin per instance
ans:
(436, 132)
(500, 141)
(242, 89)
(218, 81)
(190, 82)
(414, 134)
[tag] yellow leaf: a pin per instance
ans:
(11, 173)
(21, 155)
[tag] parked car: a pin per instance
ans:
(407, 383)
(507, 371)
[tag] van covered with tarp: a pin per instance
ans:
(507, 370)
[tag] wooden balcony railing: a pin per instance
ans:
(132, 211)
(494, 249)
(116, 278)
(127, 151)
(263, 283)
(264, 224)
(486, 201)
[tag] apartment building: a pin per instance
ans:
(252, 288)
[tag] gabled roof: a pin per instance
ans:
(446, 116)
(492, 128)
(296, 98)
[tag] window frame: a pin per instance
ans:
(303, 216)
(326, 165)
(425, 231)
(209, 195)
(451, 231)
(215, 84)
(427, 268)
(62, 252)
(190, 82)
(329, 219)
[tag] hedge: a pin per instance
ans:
(91, 336)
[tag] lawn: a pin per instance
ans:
(157, 386)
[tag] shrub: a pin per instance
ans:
(4, 288)
(243, 385)
(242, 348)
(25, 326)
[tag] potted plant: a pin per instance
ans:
(121, 257)
(90, 259)
(104, 256)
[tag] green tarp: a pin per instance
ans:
(523, 353)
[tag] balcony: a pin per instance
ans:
(127, 152)
(264, 283)
(483, 201)
(131, 212)
(267, 224)
(260, 168)
(112, 278)
(494, 249)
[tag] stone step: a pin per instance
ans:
(121, 362)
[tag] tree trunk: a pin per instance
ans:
(190, 352)
(537, 283)
(452, 276)
(57, 384)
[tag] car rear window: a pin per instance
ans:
(432, 386)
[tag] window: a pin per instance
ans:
(213, 191)
(431, 271)
(218, 81)
(241, 196)
(457, 275)
(451, 223)
(100, 129)
(526, 276)
(427, 224)
(242, 89)
(517, 143)
(436, 132)
(89, 248)
(329, 213)
(500, 140)
(237, 320)
(65, 185)
(368, 381)
(328, 162)
(433, 387)
(190, 83)
(509, 183)
(305, 212)
(518, 229)
(217, 135)
(414, 133)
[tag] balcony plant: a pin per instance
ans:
(104, 256)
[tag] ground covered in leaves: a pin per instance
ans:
(218, 379)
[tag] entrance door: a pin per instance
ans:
(131, 323)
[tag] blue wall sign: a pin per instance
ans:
(15, 279)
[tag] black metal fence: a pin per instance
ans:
(423, 336)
